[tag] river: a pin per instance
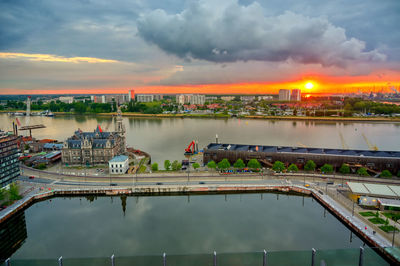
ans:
(166, 138)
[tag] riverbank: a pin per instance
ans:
(223, 116)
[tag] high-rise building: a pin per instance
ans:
(284, 95)
(9, 165)
(197, 99)
(158, 97)
(296, 95)
(144, 98)
(131, 95)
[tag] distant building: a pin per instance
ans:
(118, 165)
(296, 95)
(265, 98)
(158, 97)
(211, 98)
(247, 98)
(95, 147)
(110, 98)
(9, 165)
(197, 99)
(180, 99)
(227, 98)
(284, 95)
(66, 99)
(131, 95)
(144, 98)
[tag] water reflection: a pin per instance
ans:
(12, 235)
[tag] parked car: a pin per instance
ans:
(31, 177)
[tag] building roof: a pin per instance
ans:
(53, 145)
(374, 189)
(321, 151)
(97, 138)
(389, 202)
(119, 159)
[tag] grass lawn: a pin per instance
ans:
(388, 228)
(377, 220)
(392, 215)
(367, 214)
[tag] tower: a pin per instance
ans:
(120, 129)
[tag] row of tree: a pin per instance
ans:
(239, 164)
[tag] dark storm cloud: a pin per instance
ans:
(231, 32)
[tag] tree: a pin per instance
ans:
(224, 164)
(41, 166)
(167, 165)
(310, 166)
(13, 192)
(293, 168)
(253, 164)
(179, 167)
(2, 194)
(362, 171)
(175, 165)
(278, 166)
(327, 168)
(212, 165)
(344, 169)
(386, 173)
(196, 165)
(239, 164)
(154, 167)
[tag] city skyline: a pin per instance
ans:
(238, 47)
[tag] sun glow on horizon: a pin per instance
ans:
(309, 85)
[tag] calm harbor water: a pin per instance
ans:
(167, 138)
(128, 226)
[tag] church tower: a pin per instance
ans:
(120, 129)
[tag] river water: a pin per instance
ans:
(166, 138)
(197, 224)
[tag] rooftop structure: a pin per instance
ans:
(376, 190)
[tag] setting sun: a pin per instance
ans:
(309, 85)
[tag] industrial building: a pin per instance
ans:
(9, 165)
(374, 161)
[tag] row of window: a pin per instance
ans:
(116, 170)
(116, 165)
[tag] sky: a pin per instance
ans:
(213, 47)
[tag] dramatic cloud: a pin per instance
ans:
(231, 32)
(55, 58)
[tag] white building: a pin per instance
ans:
(247, 98)
(118, 165)
(211, 98)
(197, 99)
(296, 95)
(158, 97)
(144, 98)
(265, 98)
(284, 95)
(227, 98)
(66, 99)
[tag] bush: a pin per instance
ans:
(196, 165)
(362, 171)
(239, 164)
(167, 165)
(212, 165)
(344, 169)
(388, 228)
(224, 164)
(253, 164)
(310, 166)
(41, 166)
(386, 173)
(327, 168)
(278, 166)
(154, 167)
(293, 168)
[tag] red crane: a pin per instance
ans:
(191, 148)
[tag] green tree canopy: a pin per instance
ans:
(175, 165)
(278, 166)
(310, 166)
(253, 164)
(386, 173)
(327, 168)
(344, 169)
(293, 168)
(196, 165)
(154, 167)
(212, 165)
(224, 164)
(167, 165)
(239, 164)
(362, 171)
(13, 192)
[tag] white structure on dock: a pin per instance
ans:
(118, 165)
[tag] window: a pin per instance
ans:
(120, 170)
(120, 165)
(300, 160)
(389, 165)
(112, 170)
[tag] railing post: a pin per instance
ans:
(313, 257)
(361, 260)
(265, 258)
(112, 260)
(60, 261)
(164, 259)
(215, 258)
(7, 262)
